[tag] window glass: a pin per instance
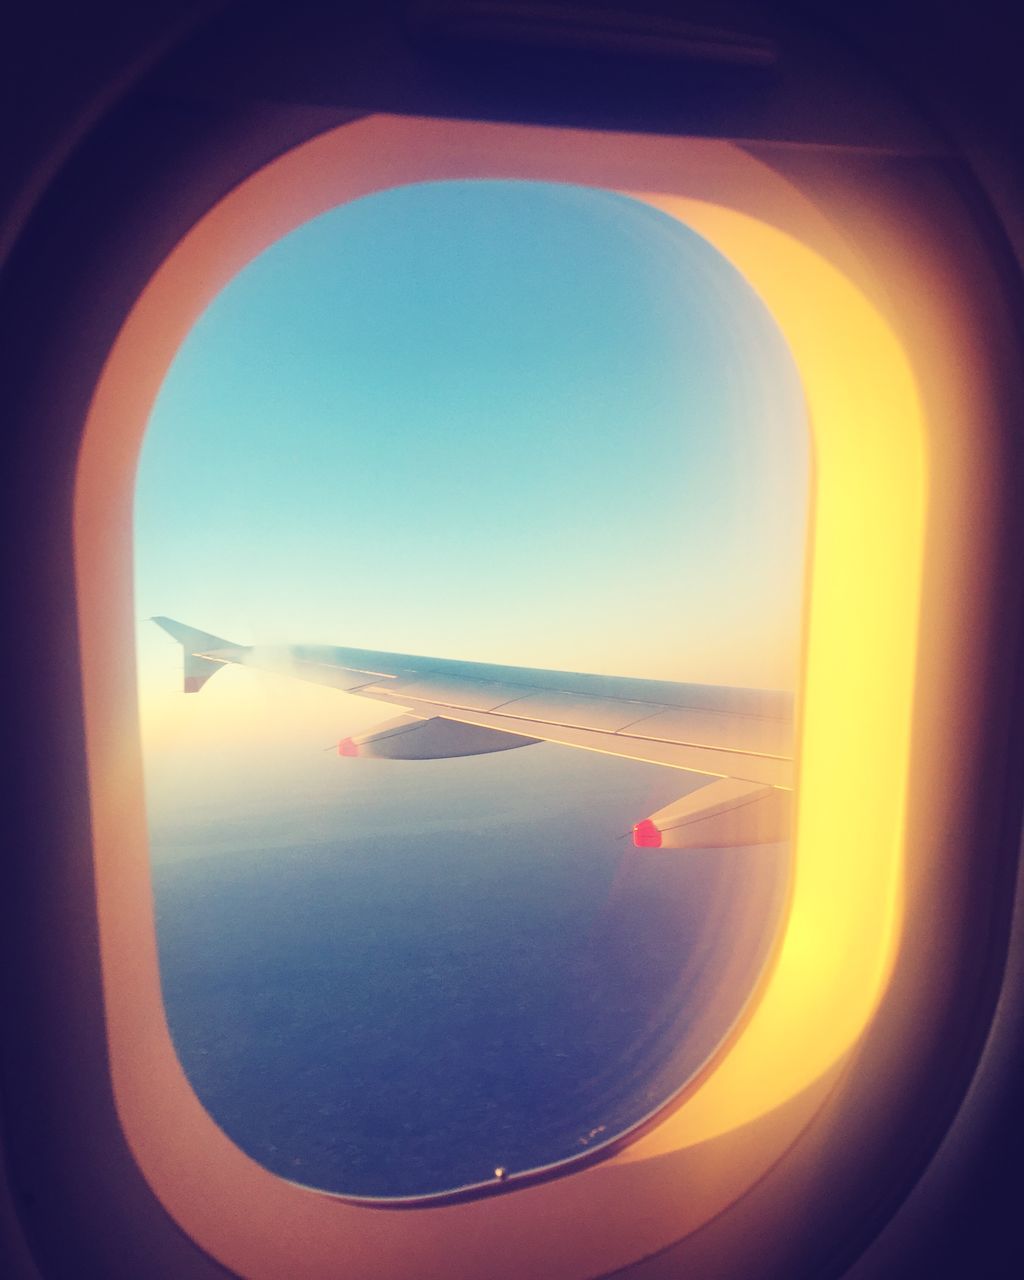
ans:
(521, 424)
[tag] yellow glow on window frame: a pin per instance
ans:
(862, 605)
(861, 638)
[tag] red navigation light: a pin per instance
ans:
(646, 835)
(347, 747)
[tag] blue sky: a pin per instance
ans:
(505, 421)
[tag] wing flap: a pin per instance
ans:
(714, 761)
(441, 691)
(757, 734)
(579, 710)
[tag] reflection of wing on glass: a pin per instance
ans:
(740, 738)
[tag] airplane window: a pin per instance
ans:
(471, 515)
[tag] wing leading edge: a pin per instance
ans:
(740, 737)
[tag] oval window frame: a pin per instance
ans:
(750, 214)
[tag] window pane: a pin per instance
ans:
(516, 423)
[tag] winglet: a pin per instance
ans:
(204, 653)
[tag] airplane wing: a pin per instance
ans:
(741, 739)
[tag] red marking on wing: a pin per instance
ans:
(646, 835)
